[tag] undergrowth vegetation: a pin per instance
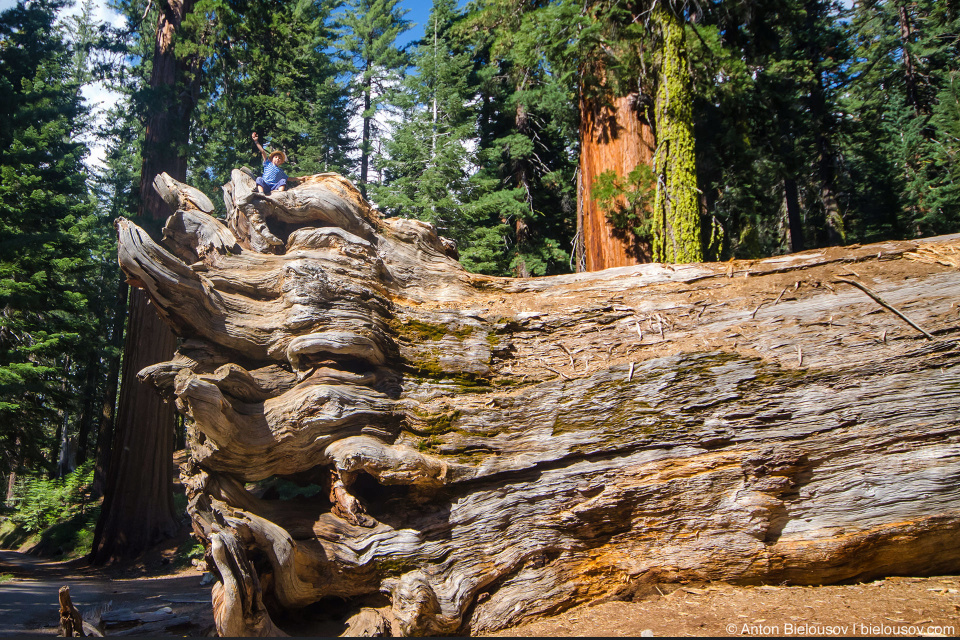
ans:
(52, 516)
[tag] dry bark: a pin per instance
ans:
(453, 453)
(72, 625)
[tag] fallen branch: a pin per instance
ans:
(559, 373)
(569, 355)
(886, 305)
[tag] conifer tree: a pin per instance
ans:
(138, 494)
(676, 210)
(265, 69)
(45, 223)
(525, 197)
(904, 82)
(369, 30)
(427, 161)
(617, 138)
(768, 78)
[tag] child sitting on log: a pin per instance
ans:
(273, 176)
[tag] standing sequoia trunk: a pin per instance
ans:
(613, 137)
(138, 494)
(440, 452)
(676, 228)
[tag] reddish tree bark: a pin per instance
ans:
(138, 498)
(613, 136)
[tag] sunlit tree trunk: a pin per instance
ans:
(676, 216)
(613, 137)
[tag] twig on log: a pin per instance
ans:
(559, 373)
(630, 377)
(569, 355)
(702, 310)
(754, 314)
(779, 296)
(886, 305)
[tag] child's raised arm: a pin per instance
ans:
(256, 141)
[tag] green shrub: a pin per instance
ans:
(42, 503)
(189, 551)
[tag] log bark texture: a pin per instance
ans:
(452, 453)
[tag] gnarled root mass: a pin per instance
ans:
(454, 453)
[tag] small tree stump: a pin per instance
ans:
(71, 624)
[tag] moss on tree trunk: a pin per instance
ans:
(677, 236)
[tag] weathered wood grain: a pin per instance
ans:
(367, 419)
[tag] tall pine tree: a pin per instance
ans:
(369, 30)
(428, 155)
(525, 186)
(45, 223)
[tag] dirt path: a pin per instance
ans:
(28, 599)
(890, 608)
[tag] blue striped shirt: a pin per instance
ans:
(272, 174)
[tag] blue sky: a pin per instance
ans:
(417, 12)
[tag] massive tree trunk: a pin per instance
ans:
(442, 452)
(676, 210)
(613, 137)
(108, 409)
(138, 494)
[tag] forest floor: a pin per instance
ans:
(893, 607)
(898, 606)
(156, 590)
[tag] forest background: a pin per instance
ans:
(809, 123)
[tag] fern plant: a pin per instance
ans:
(42, 503)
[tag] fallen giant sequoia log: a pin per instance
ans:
(455, 453)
